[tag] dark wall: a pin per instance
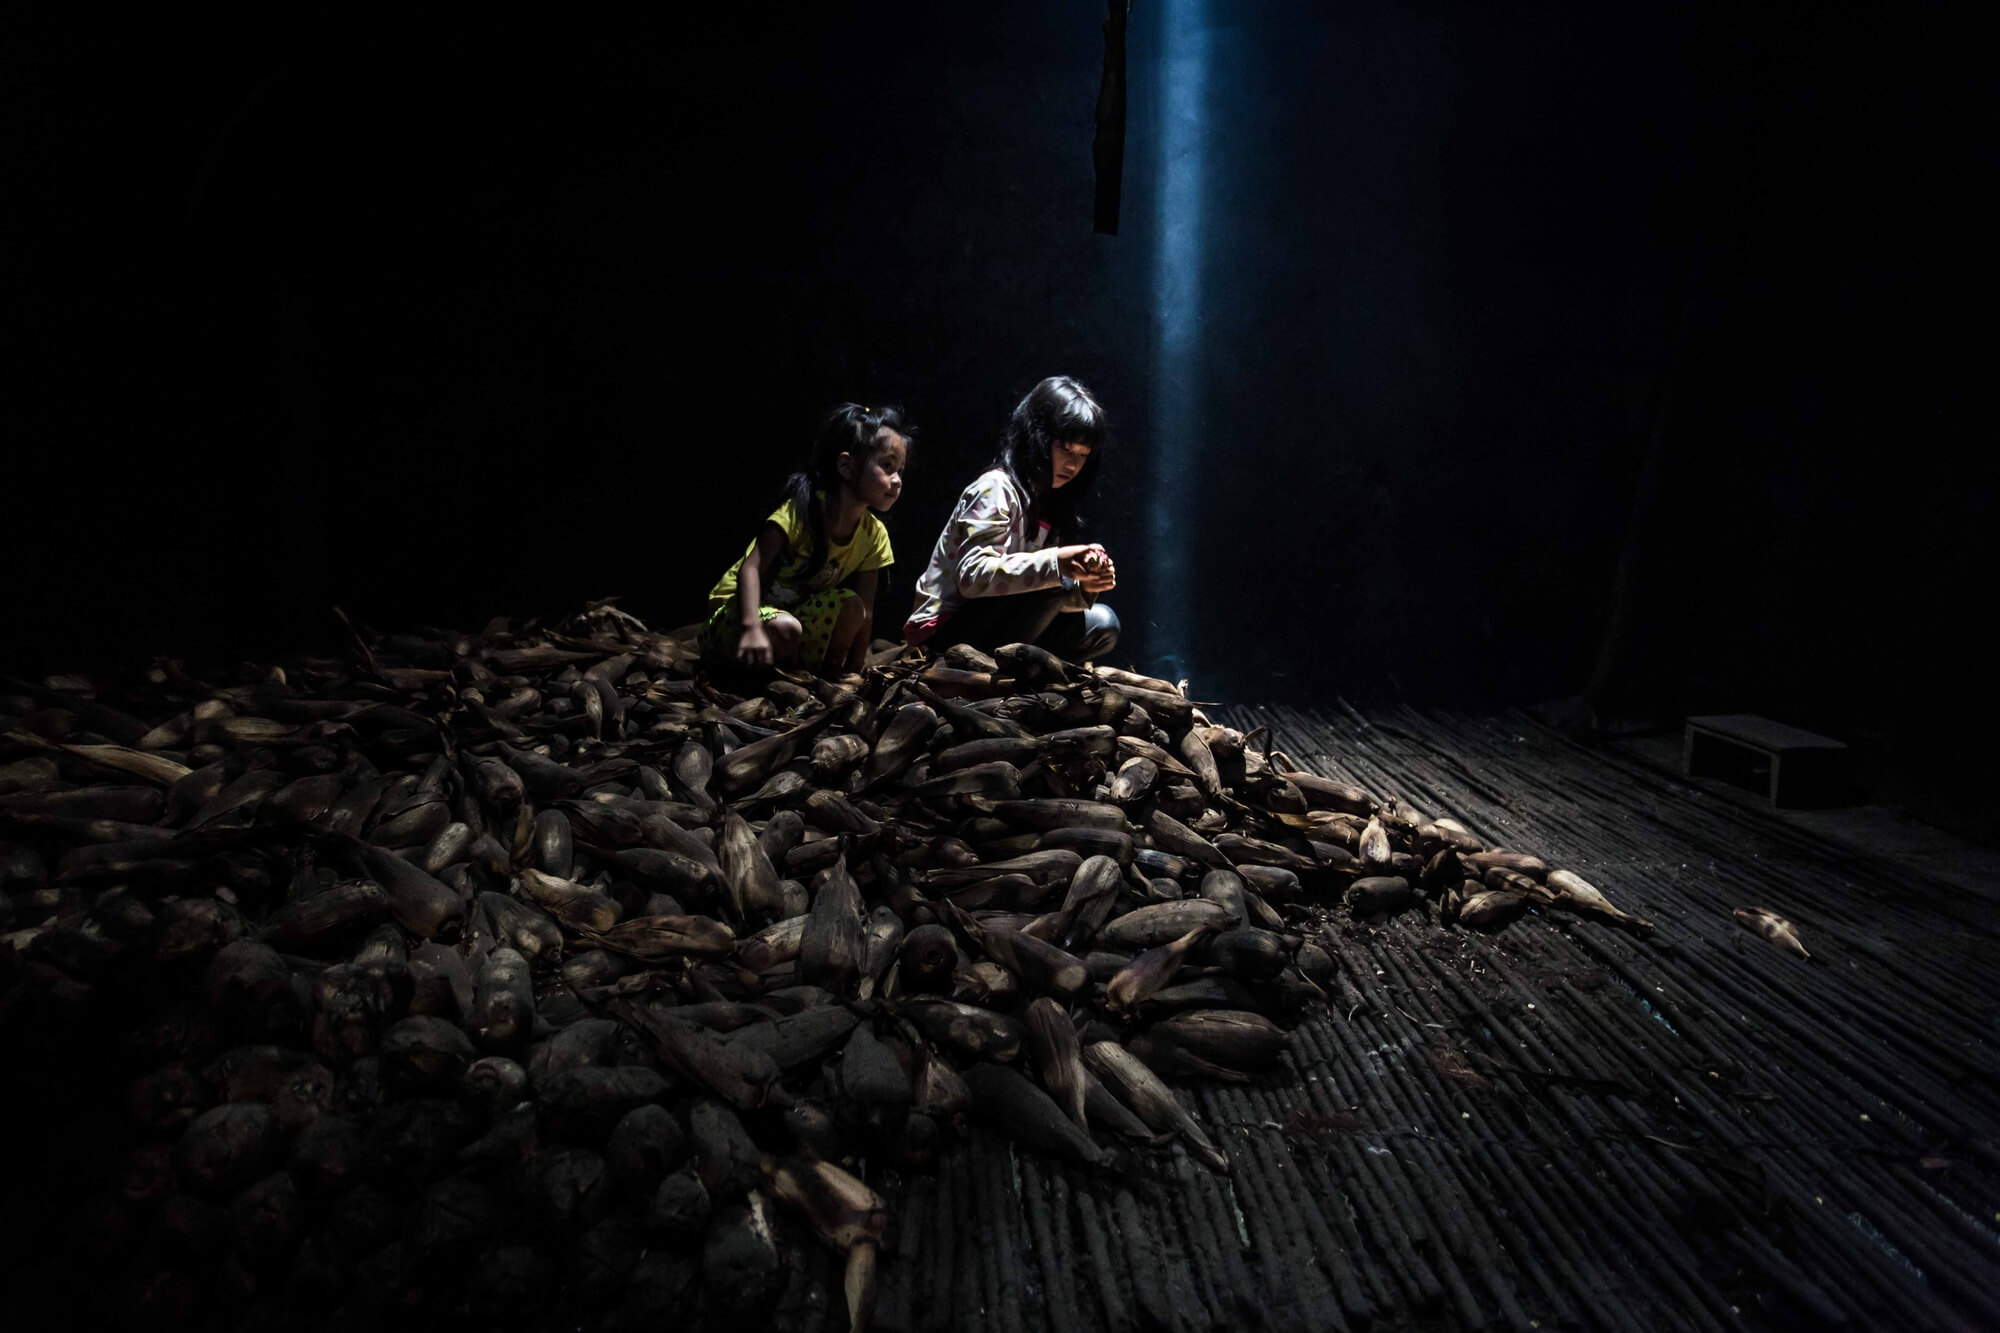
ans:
(444, 323)
(1534, 348)
(1817, 513)
(1440, 263)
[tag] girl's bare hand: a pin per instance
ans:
(754, 648)
(1077, 562)
(1091, 567)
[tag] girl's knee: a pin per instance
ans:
(1100, 631)
(852, 614)
(784, 631)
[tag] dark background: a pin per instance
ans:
(1625, 351)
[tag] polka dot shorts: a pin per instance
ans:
(816, 615)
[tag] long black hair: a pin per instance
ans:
(849, 429)
(1056, 411)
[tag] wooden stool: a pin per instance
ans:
(1794, 768)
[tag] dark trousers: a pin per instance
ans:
(1031, 617)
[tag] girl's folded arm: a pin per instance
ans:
(984, 560)
(757, 571)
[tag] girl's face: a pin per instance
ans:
(1068, 460)
(877, 479)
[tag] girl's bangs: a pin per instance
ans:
(1080, 421)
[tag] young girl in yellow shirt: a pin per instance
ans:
(804, 592)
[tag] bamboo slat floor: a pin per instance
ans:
(1561, 1125)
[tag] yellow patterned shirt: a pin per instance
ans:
(867, 549)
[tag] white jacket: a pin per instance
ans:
(986, 550)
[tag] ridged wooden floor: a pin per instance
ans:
(1558, 1126)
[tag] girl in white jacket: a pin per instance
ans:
(1005, 568)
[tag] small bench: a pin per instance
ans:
(1794, 768)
